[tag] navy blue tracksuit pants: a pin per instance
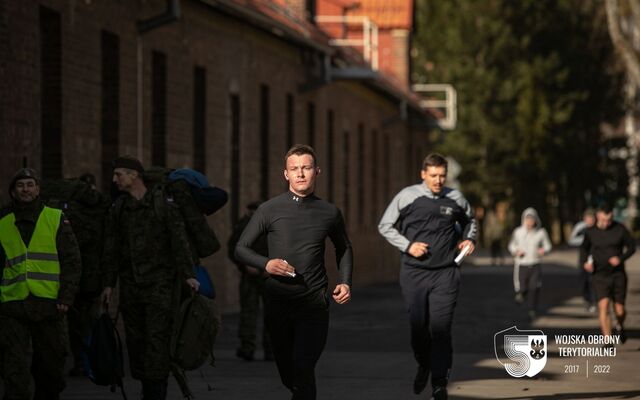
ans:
(431, 295)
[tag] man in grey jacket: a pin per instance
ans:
(423, 221)
(529, 243)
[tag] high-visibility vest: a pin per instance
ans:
(34, 269)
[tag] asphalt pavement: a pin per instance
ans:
(368, 356)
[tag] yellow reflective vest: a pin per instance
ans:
(34, 269)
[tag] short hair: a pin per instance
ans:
(434, 160)
(299, 150)
(605, 208)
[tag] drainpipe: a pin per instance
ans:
(171, 14)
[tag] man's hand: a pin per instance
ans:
(105, 297)
(193, 284)
(280, 267)
(342, 293)
(62, 308)
(464, 243)
(588, 267)
(520, 253)
(614, 261)
(418, 249)
(540, 251)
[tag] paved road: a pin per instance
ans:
(368, 355)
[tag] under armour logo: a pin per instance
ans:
(296, 198)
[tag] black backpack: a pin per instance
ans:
(106, 366)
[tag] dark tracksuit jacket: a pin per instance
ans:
(429, 283)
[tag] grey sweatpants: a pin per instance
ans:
(430, 296)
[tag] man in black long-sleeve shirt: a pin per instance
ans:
(609, 244)
(296, 224)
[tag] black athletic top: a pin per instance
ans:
(603, 244)
(296, 229)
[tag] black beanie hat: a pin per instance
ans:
(129, 163)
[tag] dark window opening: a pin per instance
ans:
(110, 103)
(360, 185)
(159, 109)
(346, 165)
(330, 166)
(264, 142)
(235, 157)
(289, 121)
(200, 119)
(51, 92)
(374, 177)
(311, 124)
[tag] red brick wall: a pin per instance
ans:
(238, 59)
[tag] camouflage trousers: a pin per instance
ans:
(251, 293)
(46, 339)
(148, 312)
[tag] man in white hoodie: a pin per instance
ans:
(529, 242)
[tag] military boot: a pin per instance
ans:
(154, 389)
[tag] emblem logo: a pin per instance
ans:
(521, 353)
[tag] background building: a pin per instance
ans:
(221, 86)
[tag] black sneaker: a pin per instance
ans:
(439, 393)
(244, 354)
(519, 299)
(623, 335)
(421, 379)
(77, 371)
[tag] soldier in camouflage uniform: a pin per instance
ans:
(41, 268)
(147, 248)
(251, 292)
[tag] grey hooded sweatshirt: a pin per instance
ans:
(529, 240)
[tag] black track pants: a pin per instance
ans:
(431, 295)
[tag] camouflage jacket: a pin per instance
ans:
(68, 254)
(144, 245)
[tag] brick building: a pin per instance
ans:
(223, 86)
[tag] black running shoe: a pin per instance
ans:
(622, 334)
(439, 393)
(422, 377)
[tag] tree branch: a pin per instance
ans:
(620, 42)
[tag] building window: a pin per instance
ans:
(264, 142)
(200, 119)
(234, 103)
(110, 103)
(374, 177)
(51, 92)
(311, 124)
(346, 166)
(310, 8)
(159, 108)
(290, 121)
(360, 184)
(331, 182)
(386, 167)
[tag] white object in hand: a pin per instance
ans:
(462, 254)
(291, 274)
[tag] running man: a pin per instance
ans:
(296, 224)
(610, 244)
(422, 222)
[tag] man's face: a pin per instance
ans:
(26, 190)
(123, 178)
(434, 178)
(603, 220)
(301, 172)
